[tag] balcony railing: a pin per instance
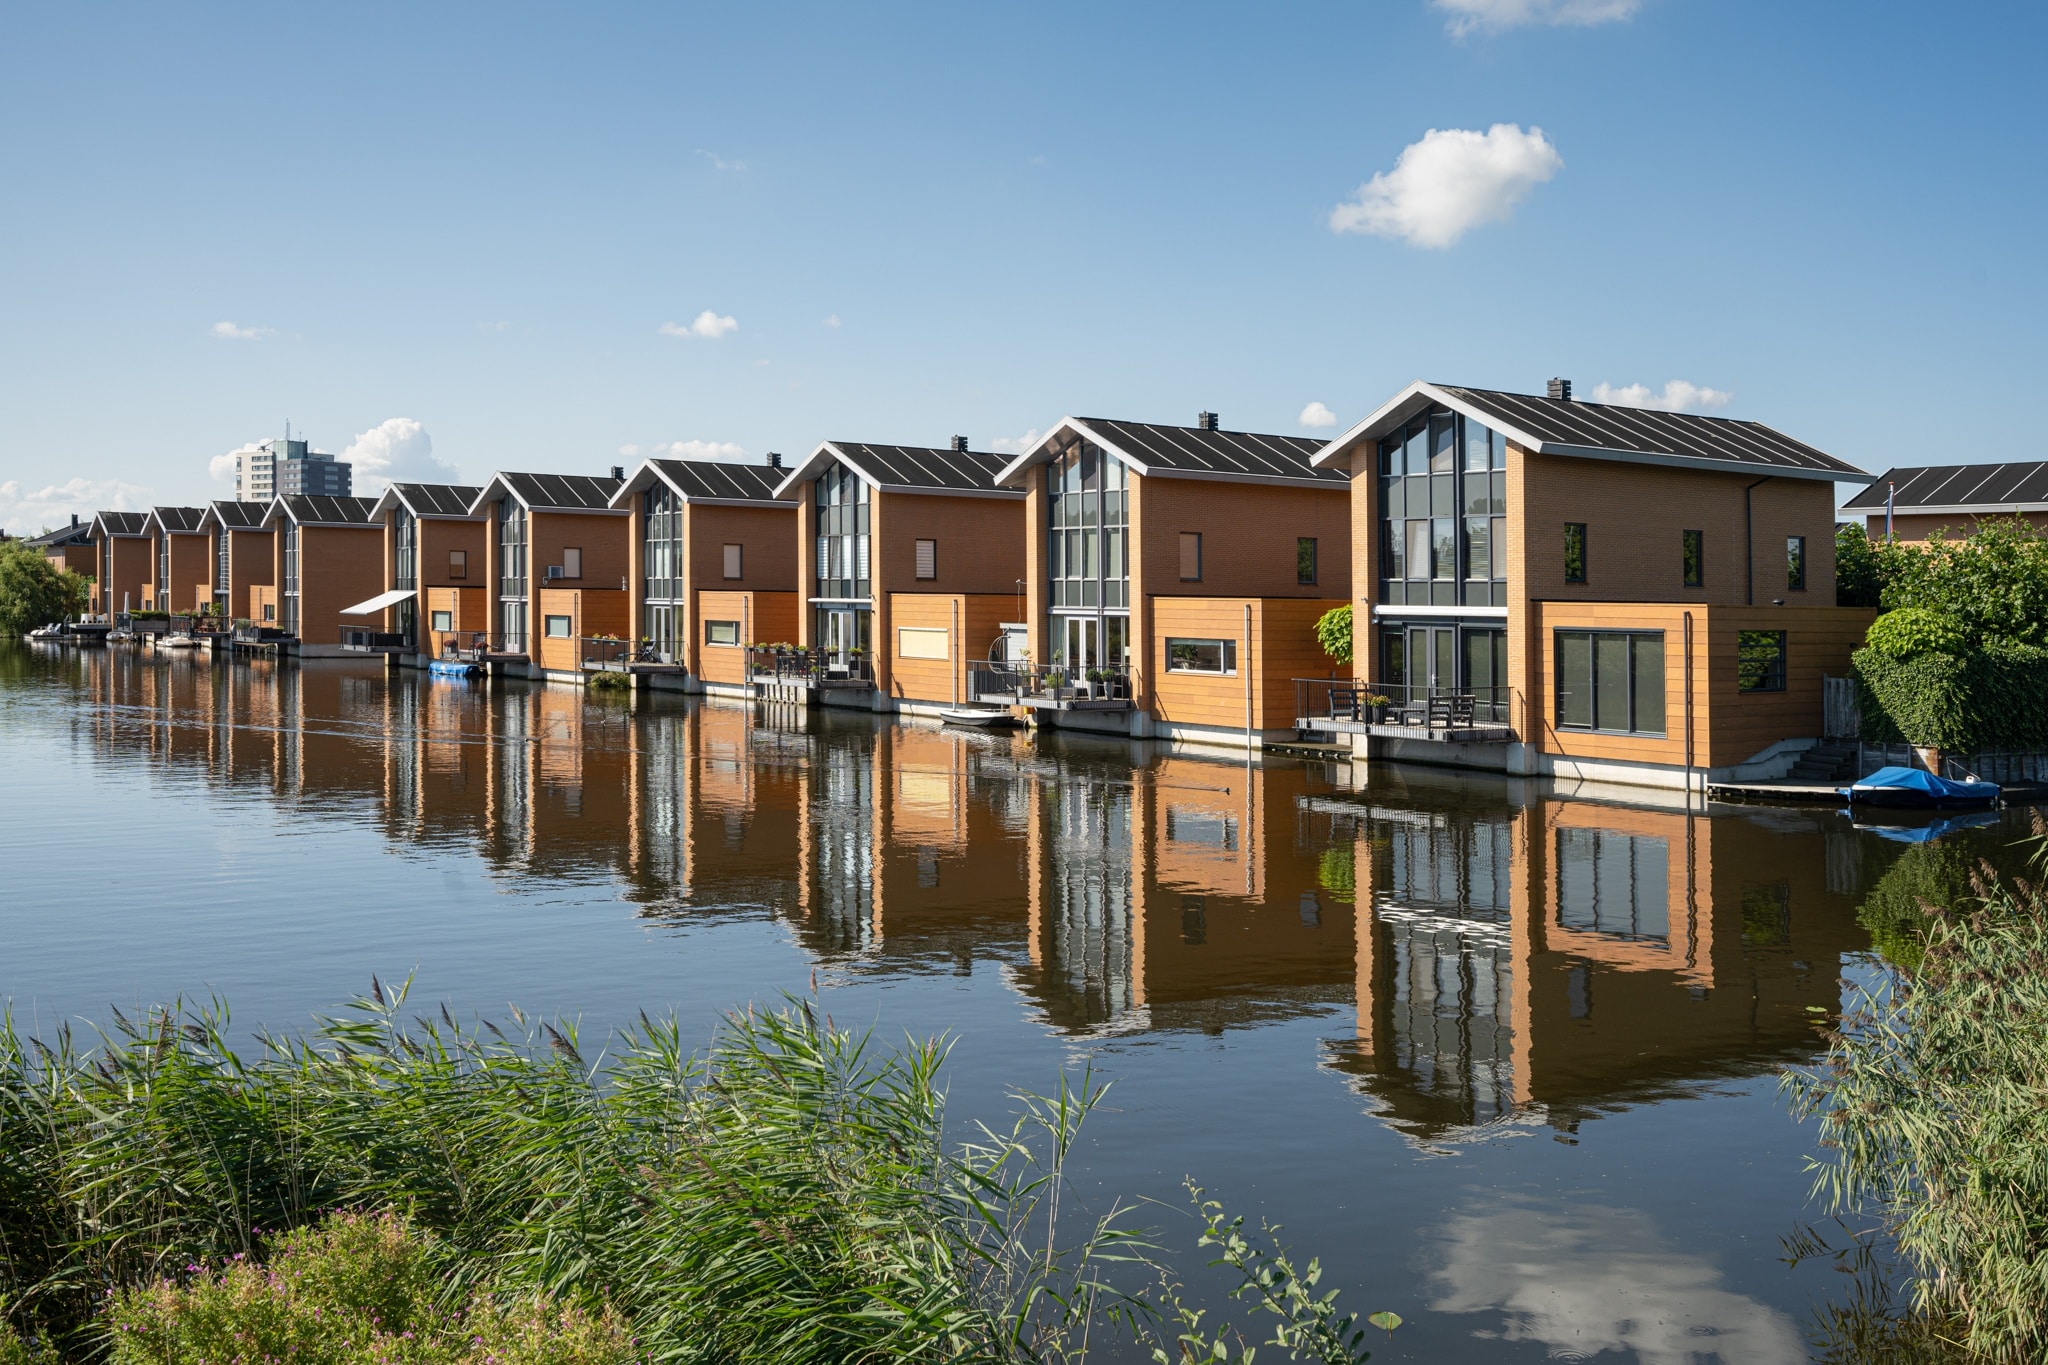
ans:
(606, 652)
(1049, 682)
(1352, 701)
(816, 667)
(363, 638)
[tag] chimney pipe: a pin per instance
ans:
(1561, 390)
(960, 444)
(618, 471)
(775, 459)
(1206, 421)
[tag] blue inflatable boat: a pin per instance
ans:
(1915, 788)
(454, 668)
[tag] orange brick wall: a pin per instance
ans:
(1281, 648)
(128, 567)
(263, 604)
(339, 566)
(591, 612)
(469, 610)
(972, 621)
(604, 538)
(764, 617)
(1248, 533)
(251, 563)
(1917, 527)
(191, 568)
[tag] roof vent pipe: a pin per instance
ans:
(960, 444)
(1206, 421)
(1561, 390)
(775, 459)
(618, 471)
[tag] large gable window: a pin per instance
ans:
(843, 528)
(1443, 487)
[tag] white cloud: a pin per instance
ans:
(1316, 415)
(227, 331)
(720, 163)
(1495, 15)
(686, 450)
(1678, 396)
(1450, 182)
(1586, 1280)
(1006, 445)
(221, 468)
(832, 319)
(396, 450)
(707, 324)
(26, 511)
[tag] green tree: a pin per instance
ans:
(1333, 633)
(32, 591)
(1994, 581)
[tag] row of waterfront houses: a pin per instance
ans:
(1541, 585)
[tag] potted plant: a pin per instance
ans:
(1376, 707)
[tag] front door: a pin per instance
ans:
(1432, 661)
(1083, 644)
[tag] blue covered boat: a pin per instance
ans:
(454, 668)
(1912, 787)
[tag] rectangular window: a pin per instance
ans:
(1418, 549)
(572, 562)
(733, 562)
(918, 642)
(270, 611)
(1444, 547)
(443, 621)
(556, 627)
(1795, 563)
(927, 559)
(1760, 661)
(1695, 543)
(1201, 656)
(1477, 561)
(1575, 552)
(721, 632)
(458, 563)
(1190, 556)
(1305, 560)
(1610, 680)
(1393, 553)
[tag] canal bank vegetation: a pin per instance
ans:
(1931, 1110)
(34, 592)
(394, 1187)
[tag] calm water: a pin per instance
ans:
(1506, 1062)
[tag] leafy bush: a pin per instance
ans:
(1994, 581)
(33, 592)
(1995, 696)
(355, 1290)
(1911, 631)
(1333, 633)
(1930, 1101)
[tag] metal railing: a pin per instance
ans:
(1050, 682)
(606, 652)
(363, 637)
(819, 668)
(464, 646)
(1368, 703)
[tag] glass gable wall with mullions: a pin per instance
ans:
(661, 558)
(1443, 486)
(842, 592)
(1088, 557)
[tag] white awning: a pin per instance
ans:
(379, 603)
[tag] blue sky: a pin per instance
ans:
(452, 236)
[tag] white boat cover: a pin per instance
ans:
(379, 603)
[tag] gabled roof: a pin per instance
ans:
(310, 510)
(120, 524)
(77, 533)
(2011, 486)
(707, 481)
(176, 519)
(1158, 451)
(906, 469)
(429, 500)
(1604, 431)
(233, 515)
(550, 492)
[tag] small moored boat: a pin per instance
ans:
(454, 668)
(1912, 787)
(982, 717)
(47, 633)
(179, 641)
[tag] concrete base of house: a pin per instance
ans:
(1519, 760)
(1123, 724)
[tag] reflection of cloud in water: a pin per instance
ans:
(1590, 1279)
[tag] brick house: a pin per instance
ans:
(181, 560)
(242, 556)
(124, 549)
(558, 561)
(434, 552)
(1188, 565)
(1590, 590)
(327, 555)
(714, 567)
(1912, 502)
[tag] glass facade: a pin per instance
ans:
(405, 549)
(222, 568)
(288, 590)
(662, 561)
(1443, 487)
(511, 576)
(843, 522)
(1088, 556)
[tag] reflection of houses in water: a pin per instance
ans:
(1556, 957)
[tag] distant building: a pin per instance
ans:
(288, 468)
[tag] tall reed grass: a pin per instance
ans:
(1933, 1102)
(790, 1196)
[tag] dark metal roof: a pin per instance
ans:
(924, 468)
(1682, 435)
(75, 534)
(239, 516)
(179, 518)
(122, 523)
(436, 499)
(1991, 487)
(326, 511)
(1198, 451)
(708, 479)
(563, 492)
